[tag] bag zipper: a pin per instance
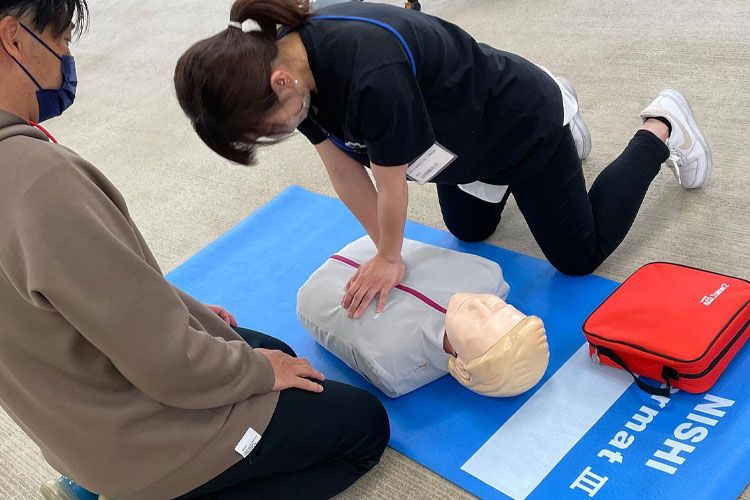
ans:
(718, 357)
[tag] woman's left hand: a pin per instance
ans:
(228, 317)
(376, 277)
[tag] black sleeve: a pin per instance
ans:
(391, 115)
(313, 132)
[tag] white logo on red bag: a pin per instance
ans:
(708, 299)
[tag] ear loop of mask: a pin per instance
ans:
(25, 71)
(22, 66)
(31, 77)
(38, 39)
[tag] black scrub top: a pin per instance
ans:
(493, 109)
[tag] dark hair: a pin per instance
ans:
(55, 13)
(223, 83)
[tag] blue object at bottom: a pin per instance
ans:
(256, 268)
(77, 491)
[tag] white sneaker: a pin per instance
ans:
(578, 128)
(689, 155)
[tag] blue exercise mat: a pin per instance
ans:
(584, 431)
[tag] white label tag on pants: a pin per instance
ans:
(247, 443)
(485, 192)
(431, 163)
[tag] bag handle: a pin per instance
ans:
(668, 374)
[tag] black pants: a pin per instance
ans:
(576, 230)
(315, 446)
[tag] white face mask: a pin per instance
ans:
(294, 121)
(291, 123)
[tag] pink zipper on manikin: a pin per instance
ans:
(415, 293)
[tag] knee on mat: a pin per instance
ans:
(377, 417)
(376, 427)
(573, 267)
(470, 235)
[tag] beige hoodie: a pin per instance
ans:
(129, 386)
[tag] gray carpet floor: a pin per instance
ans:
(619, 54)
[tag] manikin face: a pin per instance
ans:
(474, 323)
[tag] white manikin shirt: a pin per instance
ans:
(400, 349)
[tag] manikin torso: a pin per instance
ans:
(400, 349)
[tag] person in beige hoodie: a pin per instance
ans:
(129, 386)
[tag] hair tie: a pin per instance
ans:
(247, 26)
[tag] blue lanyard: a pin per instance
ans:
(387, 26)
(335, 140)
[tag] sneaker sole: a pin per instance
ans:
(578, 123)
(684, 106)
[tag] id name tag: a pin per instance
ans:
(430, 164)
(247, 443)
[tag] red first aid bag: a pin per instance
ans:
(671, 323)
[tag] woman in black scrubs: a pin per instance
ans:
(416, 98)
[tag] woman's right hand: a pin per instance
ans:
(375, 278)
(291, 372)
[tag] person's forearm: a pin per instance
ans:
(393, 200)
(353, 186)
(357, 192)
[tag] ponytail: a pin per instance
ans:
(269, 14)
(223, 83)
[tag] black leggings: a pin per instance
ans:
(576, 230)
(315, 446)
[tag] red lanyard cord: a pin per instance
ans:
(34, 124)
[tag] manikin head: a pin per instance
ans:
(499, 351)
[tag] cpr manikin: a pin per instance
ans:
(487, 345)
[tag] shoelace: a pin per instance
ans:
(676, 162)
